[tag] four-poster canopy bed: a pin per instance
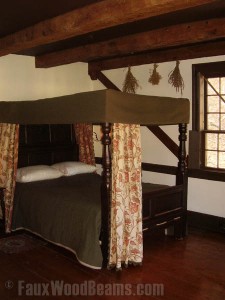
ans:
(60, 35)
(162, 205)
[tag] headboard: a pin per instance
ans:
(46, 144)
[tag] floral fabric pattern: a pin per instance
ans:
(84, 138)
(126, 244)
(9, 138)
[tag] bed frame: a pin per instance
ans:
(48, 144)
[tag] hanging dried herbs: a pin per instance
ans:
(130, 84)
(175, 78)
(155, 76)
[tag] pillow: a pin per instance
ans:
(36, 173)
(69, 168)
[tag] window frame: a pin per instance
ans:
(208, 70)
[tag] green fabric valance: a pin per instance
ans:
(97, 107)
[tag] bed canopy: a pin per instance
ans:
(123, 181)
(97, 107)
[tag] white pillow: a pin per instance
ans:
(69, 168)
(36, 173)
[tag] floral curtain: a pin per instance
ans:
(9, 137)
(126, 210)
(84, 138)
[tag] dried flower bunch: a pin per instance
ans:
(175, 78)
(130, 84)
(155, 76)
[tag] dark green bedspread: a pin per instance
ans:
(66, 211)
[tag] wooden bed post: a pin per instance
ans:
(105, 190)
(182, 166)
(181, 177)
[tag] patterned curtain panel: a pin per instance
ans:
(9, 137)
(84, 138)
(126, 244)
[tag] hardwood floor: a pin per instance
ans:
(190, 269)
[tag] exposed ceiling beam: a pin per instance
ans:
(172, 36)
(94, 17)
(159, 56)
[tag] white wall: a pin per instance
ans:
(19, 80)
(203, 196)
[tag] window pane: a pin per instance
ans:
(213, 104)
(222, 105)
(222, 85)
(211, 140)
(213, 122)
(222, 160)
(222, 124)
(211, 159)
(215, 83)
(222, 142)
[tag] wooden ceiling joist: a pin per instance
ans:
(167, 37)
(159, 56)
(94, 17)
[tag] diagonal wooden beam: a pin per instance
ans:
(103, 79)
(165, 55)
(93, 17)
(171, 36)
(165, 139)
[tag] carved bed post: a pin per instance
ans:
(182, 167)
(105, 190)
(181, 177)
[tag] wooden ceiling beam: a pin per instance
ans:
(160, 56)
(93, 17)
(167, 37)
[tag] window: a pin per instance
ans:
(214, 123)
(207, 138)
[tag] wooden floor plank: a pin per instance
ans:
(189, 269)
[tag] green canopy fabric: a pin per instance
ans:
(97, 107)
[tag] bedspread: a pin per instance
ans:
(66, 211)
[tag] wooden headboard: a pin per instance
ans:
(46, 144)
